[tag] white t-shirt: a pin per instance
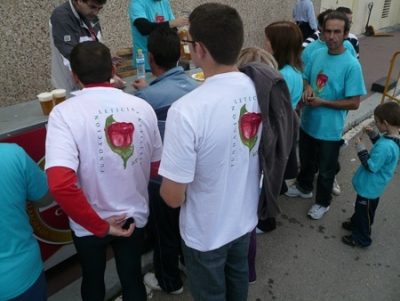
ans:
(203, 147)
(109, 138)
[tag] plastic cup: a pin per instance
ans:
(59, 95)
(46, 102)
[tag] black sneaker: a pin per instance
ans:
(348, 226)
(348, 240)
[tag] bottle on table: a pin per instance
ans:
(185, 52)
(140, 64)
(183, 35)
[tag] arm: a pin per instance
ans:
(37, 189)
(65, 36)
(372, 134)
(311, 17)
(172, 192)
(138, 84)
(362, 152)
(145, 27)
(310, 39)
(351, 103)
(46, 200)
(62, 183)
(311, 100)
(154, 169)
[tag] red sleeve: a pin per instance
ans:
(62, 184)
(154, 169)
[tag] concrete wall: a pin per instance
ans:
(25, 48)
(361, 12)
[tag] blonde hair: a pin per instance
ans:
(256, 54)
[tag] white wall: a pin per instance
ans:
(360, 13)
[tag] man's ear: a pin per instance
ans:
(77, 81)
(151, 57)
(346, 34)
(75, 78)
(201, 50)
(113, 71)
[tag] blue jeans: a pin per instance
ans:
(322, 155)
(37, 291)
(220, 274)
(362, 220)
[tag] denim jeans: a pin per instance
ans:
(37, 291)
(322, 155)
(362, 220)
(167, 240)
(127, 253)
(220, 274)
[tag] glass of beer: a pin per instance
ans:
(46, 102)
(59, 95)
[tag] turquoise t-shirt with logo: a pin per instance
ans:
(382, 162)
(333, 77)
(147, 9)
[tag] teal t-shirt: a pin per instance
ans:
(294, 81)
(383, 160)
(148, 9)
(333, 77)
(21, 179)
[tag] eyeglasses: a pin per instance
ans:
(188, 41)
(94, 7)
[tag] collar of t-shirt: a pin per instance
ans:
(106, 85)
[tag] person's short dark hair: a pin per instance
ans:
(219, 28)
(322, 15)
(389, 111)
(91, 62)
(164, 45)
(344, 10)
(335, 15)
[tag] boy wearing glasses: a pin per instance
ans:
(210, 163)
(375, 172)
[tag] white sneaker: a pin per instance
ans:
(294, 192)
(317, 211)
(151, 281)
(259, 231)
(335, 188)
(345, 144)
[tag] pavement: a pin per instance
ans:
(304, 259)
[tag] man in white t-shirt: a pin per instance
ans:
(210, 163)
(101, 148)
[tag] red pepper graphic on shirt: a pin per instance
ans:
(249, 123)
(321, 81)
(120, 138)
